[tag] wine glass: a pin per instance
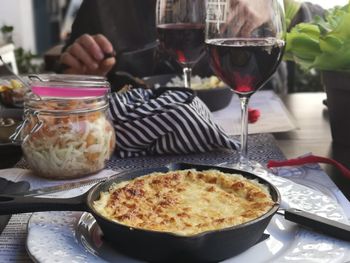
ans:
(180, 27)
(245, 42)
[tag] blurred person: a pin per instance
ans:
(126, 27)
(120, 35)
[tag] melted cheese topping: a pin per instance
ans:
(185, 202)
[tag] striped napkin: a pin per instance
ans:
(164, 121)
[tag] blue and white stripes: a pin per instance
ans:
(164, 121)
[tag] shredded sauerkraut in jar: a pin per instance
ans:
(69, 146)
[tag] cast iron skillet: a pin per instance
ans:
(152, 245)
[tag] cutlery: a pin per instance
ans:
(66, 186)
(60, 188)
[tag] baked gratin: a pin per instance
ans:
(185, 202)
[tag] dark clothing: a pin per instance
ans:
(130, 27)
(128, 24)
(306, 13)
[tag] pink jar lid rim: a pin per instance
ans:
(57, 91)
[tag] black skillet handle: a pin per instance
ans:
(318, 223)
(11, 204)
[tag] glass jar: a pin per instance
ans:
(66, 134)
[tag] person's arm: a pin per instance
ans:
(89, 54)
(86, 49)
(249, 15)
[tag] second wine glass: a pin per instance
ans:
(180, 27)
(245, 41)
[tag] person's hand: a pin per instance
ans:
(87, 55)
(246, 15)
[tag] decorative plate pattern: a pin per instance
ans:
(75, 237)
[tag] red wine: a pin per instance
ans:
(245, 64)
(184, 42)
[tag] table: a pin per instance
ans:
(313, 135)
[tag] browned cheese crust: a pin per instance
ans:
(185, 202)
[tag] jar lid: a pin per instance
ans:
(68, 89)
(64, 92)
(66, 78)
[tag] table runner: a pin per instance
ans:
(261, 148)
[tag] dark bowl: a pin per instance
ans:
(10, 153)
(13, 98)
(215, 98)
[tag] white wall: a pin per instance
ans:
(19, 13)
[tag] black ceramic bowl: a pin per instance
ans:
(13, 98)
(215, 98)
(10, 153)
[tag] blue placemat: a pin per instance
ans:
(261, 148)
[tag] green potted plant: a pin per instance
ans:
(6, 32)
(324, 45)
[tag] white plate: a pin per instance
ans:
(75, 237)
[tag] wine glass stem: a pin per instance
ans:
(244, 130)
(187, 76)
